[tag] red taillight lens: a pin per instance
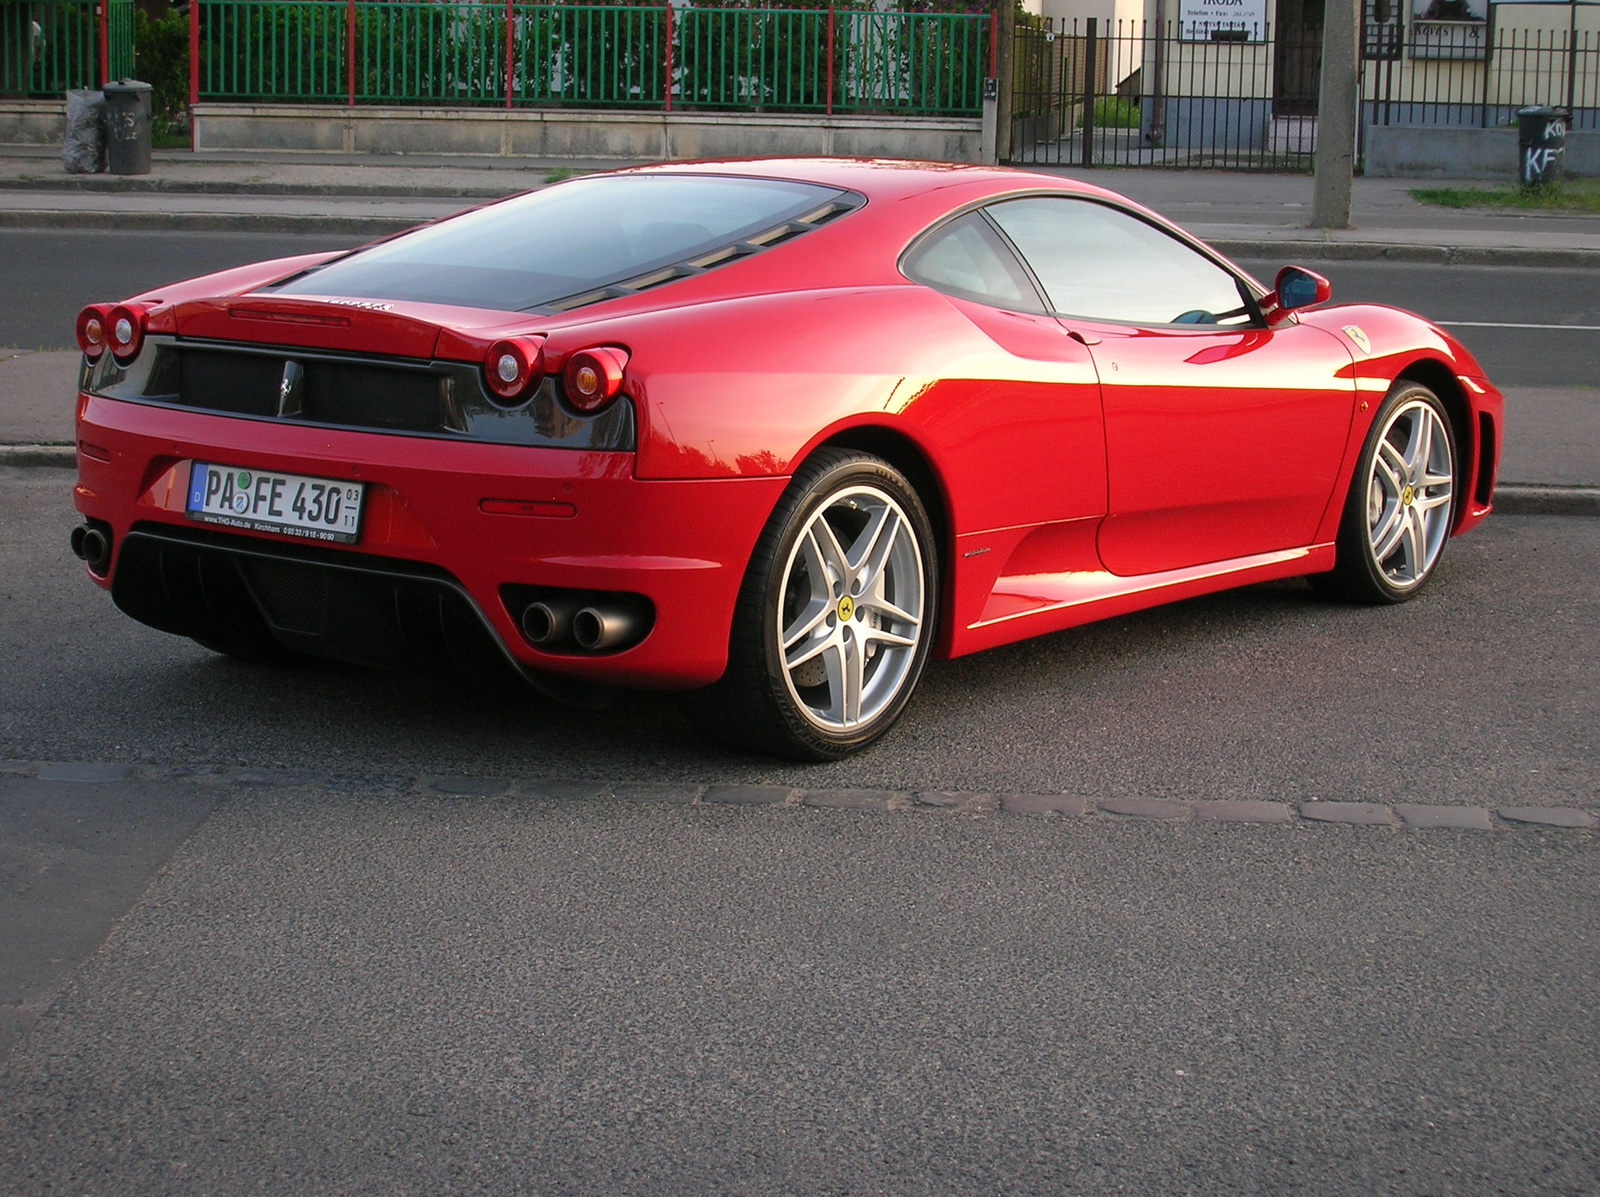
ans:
(125, 331)
(594, 376)
(514, 367)
(93, 327)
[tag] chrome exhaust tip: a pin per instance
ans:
(600, 626)
(93, 546)
(548, 621)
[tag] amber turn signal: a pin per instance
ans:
(92, 325)
(594, 377)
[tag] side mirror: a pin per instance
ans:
(1296, 288)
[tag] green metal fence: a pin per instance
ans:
(287, 50)
(119, 39)
(46, 48)
(935, 63)
(592, 55)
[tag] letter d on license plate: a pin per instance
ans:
(290, 504)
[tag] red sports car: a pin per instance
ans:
(770, 431)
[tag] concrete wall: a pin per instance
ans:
(1410, 151)
(562, 133)
(1198, 124)
(32, 122)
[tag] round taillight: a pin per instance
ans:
(514, 367)
(127, 332)
(92, 330)
(594, 377)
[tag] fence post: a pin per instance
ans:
(1572, 55)
(510, 23)
(194, 72)
(829, 106)
(1091, 44)
(666, 58)
(350, 52)
(103, 16)
(1488, 67)
(1005, 49)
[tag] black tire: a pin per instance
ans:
(1415, 502)
(767, 704)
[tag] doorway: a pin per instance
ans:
(1297, 58)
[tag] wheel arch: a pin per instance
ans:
(1441, 380)
(907, 456)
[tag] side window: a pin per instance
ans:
(1095, 261)
(967, 258)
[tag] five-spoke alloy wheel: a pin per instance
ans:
(836, 615)
(1401, 503)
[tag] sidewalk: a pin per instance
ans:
(1552, 454)
(1242, 214)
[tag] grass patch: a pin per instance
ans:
(1575, 195)
(561, 174)
(1113, 112)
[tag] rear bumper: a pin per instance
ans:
(442, 517)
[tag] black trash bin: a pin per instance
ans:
(1541, 142)
(128, 127)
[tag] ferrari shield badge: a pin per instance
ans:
(1356, 334)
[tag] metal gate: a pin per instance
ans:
(1232, 98)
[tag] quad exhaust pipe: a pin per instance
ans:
(549, 621)
(591, 623)
(615, 624)
(91, 546)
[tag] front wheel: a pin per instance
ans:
(1401, 503)
(835, 617)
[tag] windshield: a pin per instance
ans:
(566, 239)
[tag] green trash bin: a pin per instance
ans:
(128, 127)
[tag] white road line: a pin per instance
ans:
(1490, 324)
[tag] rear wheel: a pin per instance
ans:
(1401, 505)
(835, 617)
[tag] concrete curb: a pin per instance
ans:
(1388, 251)
(50, 456)
(148, 185)
(210, 222)
(1516, 498)
(1395, 818)
(378, 226)
(1526, 498)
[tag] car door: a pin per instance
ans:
(1029, 428)
(1223, 436)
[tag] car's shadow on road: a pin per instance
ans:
(1045, 688)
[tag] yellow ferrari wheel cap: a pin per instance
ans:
(1407, 495)
(847, 608)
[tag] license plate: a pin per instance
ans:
(291, 504)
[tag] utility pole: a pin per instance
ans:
(1006, 74)
(1336, 117)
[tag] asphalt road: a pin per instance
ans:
(337, 991)
(1482, 691)
(51, 275)
(1462, 297)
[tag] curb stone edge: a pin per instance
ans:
(450, 787)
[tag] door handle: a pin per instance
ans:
(1082, 338)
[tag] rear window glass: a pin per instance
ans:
(564, 240)
(967, 257)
